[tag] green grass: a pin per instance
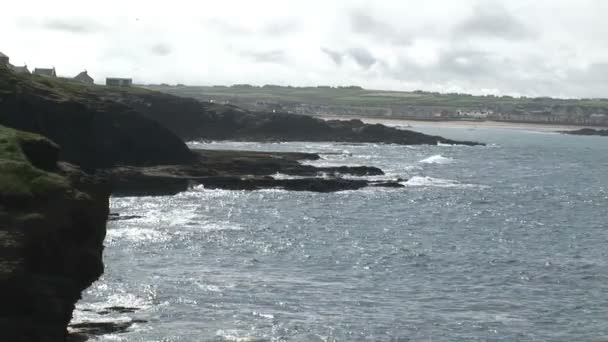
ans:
(62, 89)
(365, 97)
(18, 177)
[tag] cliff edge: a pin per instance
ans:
(93, 132)
(52, 226)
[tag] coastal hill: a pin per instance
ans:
(92, 131)
(421, 105)
(191, 119)
(100, 127)
(135, 137)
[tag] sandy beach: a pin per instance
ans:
(461, 124)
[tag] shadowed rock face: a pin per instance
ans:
(588, 131)
(101, 127)
(52, 226)
(193, 120)
(93, 132)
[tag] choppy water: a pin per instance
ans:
(507, 242)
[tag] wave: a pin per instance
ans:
(439, 143)
(421, 181)
(233, 335)
(437, 159)
(138, 235)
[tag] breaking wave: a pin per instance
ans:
(437, 159)
(421, 181)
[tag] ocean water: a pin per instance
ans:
(507, 242)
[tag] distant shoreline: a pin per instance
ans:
(460, 123)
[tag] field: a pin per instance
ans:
(356, 96)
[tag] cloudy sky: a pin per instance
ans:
(518, 47)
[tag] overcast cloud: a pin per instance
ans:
(517, 47)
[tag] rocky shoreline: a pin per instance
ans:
(130, 142)
(588, 131)
(240, 170)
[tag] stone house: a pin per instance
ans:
(20, 69)
(3, 59)
(84, 77)
(45, 72)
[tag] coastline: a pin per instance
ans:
(542, 127)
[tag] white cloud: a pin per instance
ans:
(525, 47)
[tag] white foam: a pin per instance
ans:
(439, 143)
(279, 175)
(136, 235)
(412, 168)
(437, 159)
(420, 181)
(232, 336)
(263, 315)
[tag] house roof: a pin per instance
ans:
(2, 55)
(44, 71)
(83, 76)
(20, 69)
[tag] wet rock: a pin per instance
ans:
(588, 131)
(84, 331)
(394, 184)
(117, 309)
(118, 217)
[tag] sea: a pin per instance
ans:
(503, 242)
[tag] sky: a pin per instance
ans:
(555, 48)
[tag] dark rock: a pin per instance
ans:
(234, 170)
(93, 132)
(304, 184)
(394, 184)
(193, 120)
(117, 309)
(52, 227)
(117, 217)
(133, 181)
(84, 331)
(41, 153)
(588, 131)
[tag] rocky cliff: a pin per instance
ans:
(193, 120)
(52, 227)
(92, 131)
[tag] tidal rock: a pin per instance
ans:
(588, 131)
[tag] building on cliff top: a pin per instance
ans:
(84, 78)
(20, 69)
(3, 58)
(45, 72)
(119, 82)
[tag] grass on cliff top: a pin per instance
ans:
(18, 177)
(62, 89)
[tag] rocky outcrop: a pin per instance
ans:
(588, 131)
(194, 120)
(241, 170)
(94, 132)
(52, 227)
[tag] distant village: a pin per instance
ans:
(82, 77)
